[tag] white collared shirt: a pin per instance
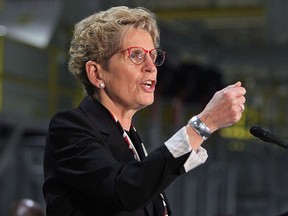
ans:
(178, 145)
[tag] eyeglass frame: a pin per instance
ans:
(146, 51)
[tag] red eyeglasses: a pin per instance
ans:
(137, 55)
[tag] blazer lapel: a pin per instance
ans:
(137, 143)
(149, 209)
(102, 121)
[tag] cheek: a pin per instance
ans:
(124, 84)
(129, 78)
(122, 75)
(130, 85)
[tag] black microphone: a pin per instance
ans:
(267, 137)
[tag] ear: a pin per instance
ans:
(93, 71)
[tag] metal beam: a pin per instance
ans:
(1, 4)
(1, 69)
(200, 13)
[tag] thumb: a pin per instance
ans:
(237, 84)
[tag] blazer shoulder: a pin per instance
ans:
(68, 116)
(91, 116)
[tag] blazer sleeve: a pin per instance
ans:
(78, 158)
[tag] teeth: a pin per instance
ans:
(149, 82)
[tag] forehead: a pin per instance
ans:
(137, 37)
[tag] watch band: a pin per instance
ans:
(199, 126)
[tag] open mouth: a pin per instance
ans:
(148, 84)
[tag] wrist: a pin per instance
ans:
(199, 127)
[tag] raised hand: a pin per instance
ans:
(225, 108)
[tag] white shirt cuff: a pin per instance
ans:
(178, 145)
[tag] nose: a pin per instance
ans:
(149, 65)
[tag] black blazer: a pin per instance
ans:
(89, 169)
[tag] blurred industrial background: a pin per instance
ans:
(209, 44)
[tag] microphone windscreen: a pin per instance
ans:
(256, 131)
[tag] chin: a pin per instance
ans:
(149, 102)
(145, 104)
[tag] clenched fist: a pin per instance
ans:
(225, 108)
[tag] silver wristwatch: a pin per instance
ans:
(199, 127)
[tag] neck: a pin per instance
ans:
(124, 118)
(123, 114)
(125, 123)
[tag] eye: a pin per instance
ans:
(153, 55)
(136, 54)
